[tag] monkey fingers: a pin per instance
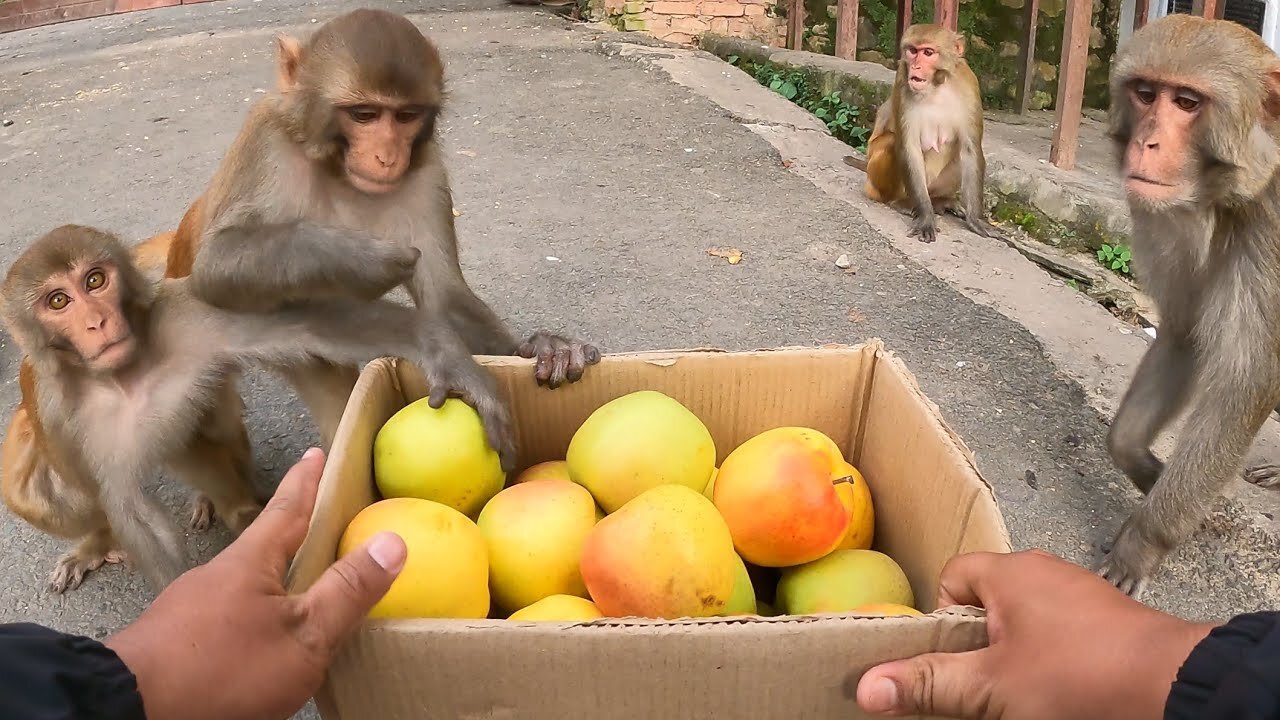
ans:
(924, 227)
(478, 389)
(89, 555)
(1265, 476)
(201, 512)
(558, 358)
(1131, 558)
(983, 228)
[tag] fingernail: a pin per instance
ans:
(310, 453)
(388, 550)
(883, 696)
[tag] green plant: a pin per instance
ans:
(1116, 257)
(841, 119)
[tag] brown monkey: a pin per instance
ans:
(122, 371)
(925, 151)
(39, 483)
(1195, 120)
(341, 162)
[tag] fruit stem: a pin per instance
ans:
(845, 479)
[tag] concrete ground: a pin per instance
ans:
(592, 175)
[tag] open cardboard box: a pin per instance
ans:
(931, 504)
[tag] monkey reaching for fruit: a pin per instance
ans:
(1195, 122)
(120, 373)
(344, 162)
(925, 151)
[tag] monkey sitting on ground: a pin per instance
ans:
(343, 156)
(122, 371)
(1195, 120)
(925, 151)
(217, 458)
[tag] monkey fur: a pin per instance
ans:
(342, 162)
(1195, 123)
(120, 385)
(925, 152)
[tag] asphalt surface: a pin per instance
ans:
(590, 186)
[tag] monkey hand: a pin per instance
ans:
(981, 227)
(391, 264)
(925, 226)
(261, 651)
(559, 359)
(1063, 645)
(1133, 556)
(477, 388)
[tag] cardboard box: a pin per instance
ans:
(931, 504)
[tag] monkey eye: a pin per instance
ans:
(363, 113)
(408, 115)
(928, 52)
(58, 300)
(1187, 102)
(95, 280)
(1145, 93)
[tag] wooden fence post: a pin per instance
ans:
(847, 29)
(1141, 12)
(904, 22)
(795, 25)
(1027, 54)
(1075, 58)
(947, 14)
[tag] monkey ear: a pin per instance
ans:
(290, 56)
(1271, 102)
(960, 42)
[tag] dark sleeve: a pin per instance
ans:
(48, 675)
(1233, 673)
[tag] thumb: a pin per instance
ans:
(941, 684)
(348, 590)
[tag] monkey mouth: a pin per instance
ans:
(916, 81)
(1135, 177)
(109, 353)
(371, 186)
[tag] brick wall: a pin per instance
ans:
(682, 21)
(23, 14)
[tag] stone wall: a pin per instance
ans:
(681, 21)
(23, 14)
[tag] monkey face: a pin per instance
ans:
(82, 311)
(921, 61)
(380, 139)
(1158, 165)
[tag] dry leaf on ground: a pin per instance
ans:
(733, 255)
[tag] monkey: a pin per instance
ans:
(125, 369)
(925, 151)
(344, 158)
(1195, 128)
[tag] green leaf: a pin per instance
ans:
(820, 113)
(733, 59)
(775, 84)
(1115, 264)
(1125, 255)
(789, 90)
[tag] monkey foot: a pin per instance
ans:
(1124, 580)
(1264, 476)
(72, 568)
(201, 513)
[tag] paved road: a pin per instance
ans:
(561, 150)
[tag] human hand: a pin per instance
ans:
(224, 641)
(1064, 643)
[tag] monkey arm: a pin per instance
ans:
(972, 171)
(1220, 426)
(352, 333)
(246, 264)
(148, 535)
(911, 161)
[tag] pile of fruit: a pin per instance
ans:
(636, 520)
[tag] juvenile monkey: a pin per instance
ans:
(122, 372)
(925, 153)
(341, 162)
(218, 458)
(1195, 120)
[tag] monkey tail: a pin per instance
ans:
(856, 161)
